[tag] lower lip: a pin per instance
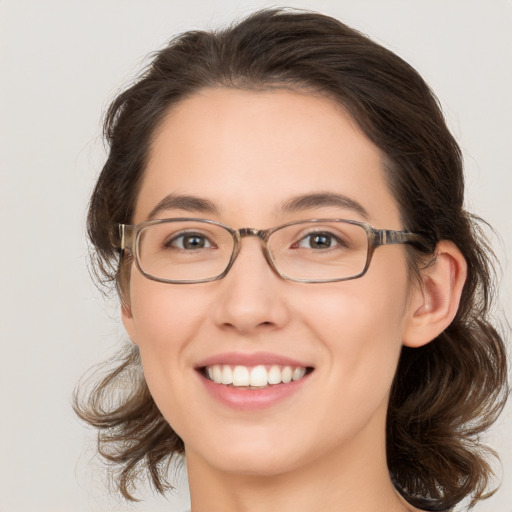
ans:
(252, 399)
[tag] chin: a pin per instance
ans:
(255, 453)
(261, 465)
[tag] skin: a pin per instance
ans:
(323, 448)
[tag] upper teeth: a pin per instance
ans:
(256, 376)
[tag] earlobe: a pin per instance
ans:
(435, 300)
(128, 321)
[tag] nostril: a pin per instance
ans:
(266, 324)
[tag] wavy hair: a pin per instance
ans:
(445, 394)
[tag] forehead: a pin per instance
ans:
(249, 152)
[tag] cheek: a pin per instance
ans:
(165, 316)
(166, 319)
(360, 324)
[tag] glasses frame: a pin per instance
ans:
(130, 235)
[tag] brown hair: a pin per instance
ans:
(445, 394)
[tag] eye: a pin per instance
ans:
(319, 240)
(189, 241)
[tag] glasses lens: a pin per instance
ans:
(184, 250)
(329, 250)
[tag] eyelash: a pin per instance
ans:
(182, 236)
(331, 236)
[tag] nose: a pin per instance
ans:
(252, 296)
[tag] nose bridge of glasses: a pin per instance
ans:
(252, 232)
(262, 234)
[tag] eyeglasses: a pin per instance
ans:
(189, 250)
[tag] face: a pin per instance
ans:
(248, 154)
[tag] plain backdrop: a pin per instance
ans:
(60, 64)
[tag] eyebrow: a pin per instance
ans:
(321, 200)
(188, 203)
(310, 201)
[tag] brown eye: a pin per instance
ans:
(320, 240)
(190, 241)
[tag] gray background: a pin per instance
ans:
(60, 63)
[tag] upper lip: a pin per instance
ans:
(251, 359)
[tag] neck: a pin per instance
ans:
(353, 478)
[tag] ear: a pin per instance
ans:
(128, 321)
(435, 299)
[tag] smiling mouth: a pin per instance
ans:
(254, 377)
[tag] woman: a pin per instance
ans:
(253, 175)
